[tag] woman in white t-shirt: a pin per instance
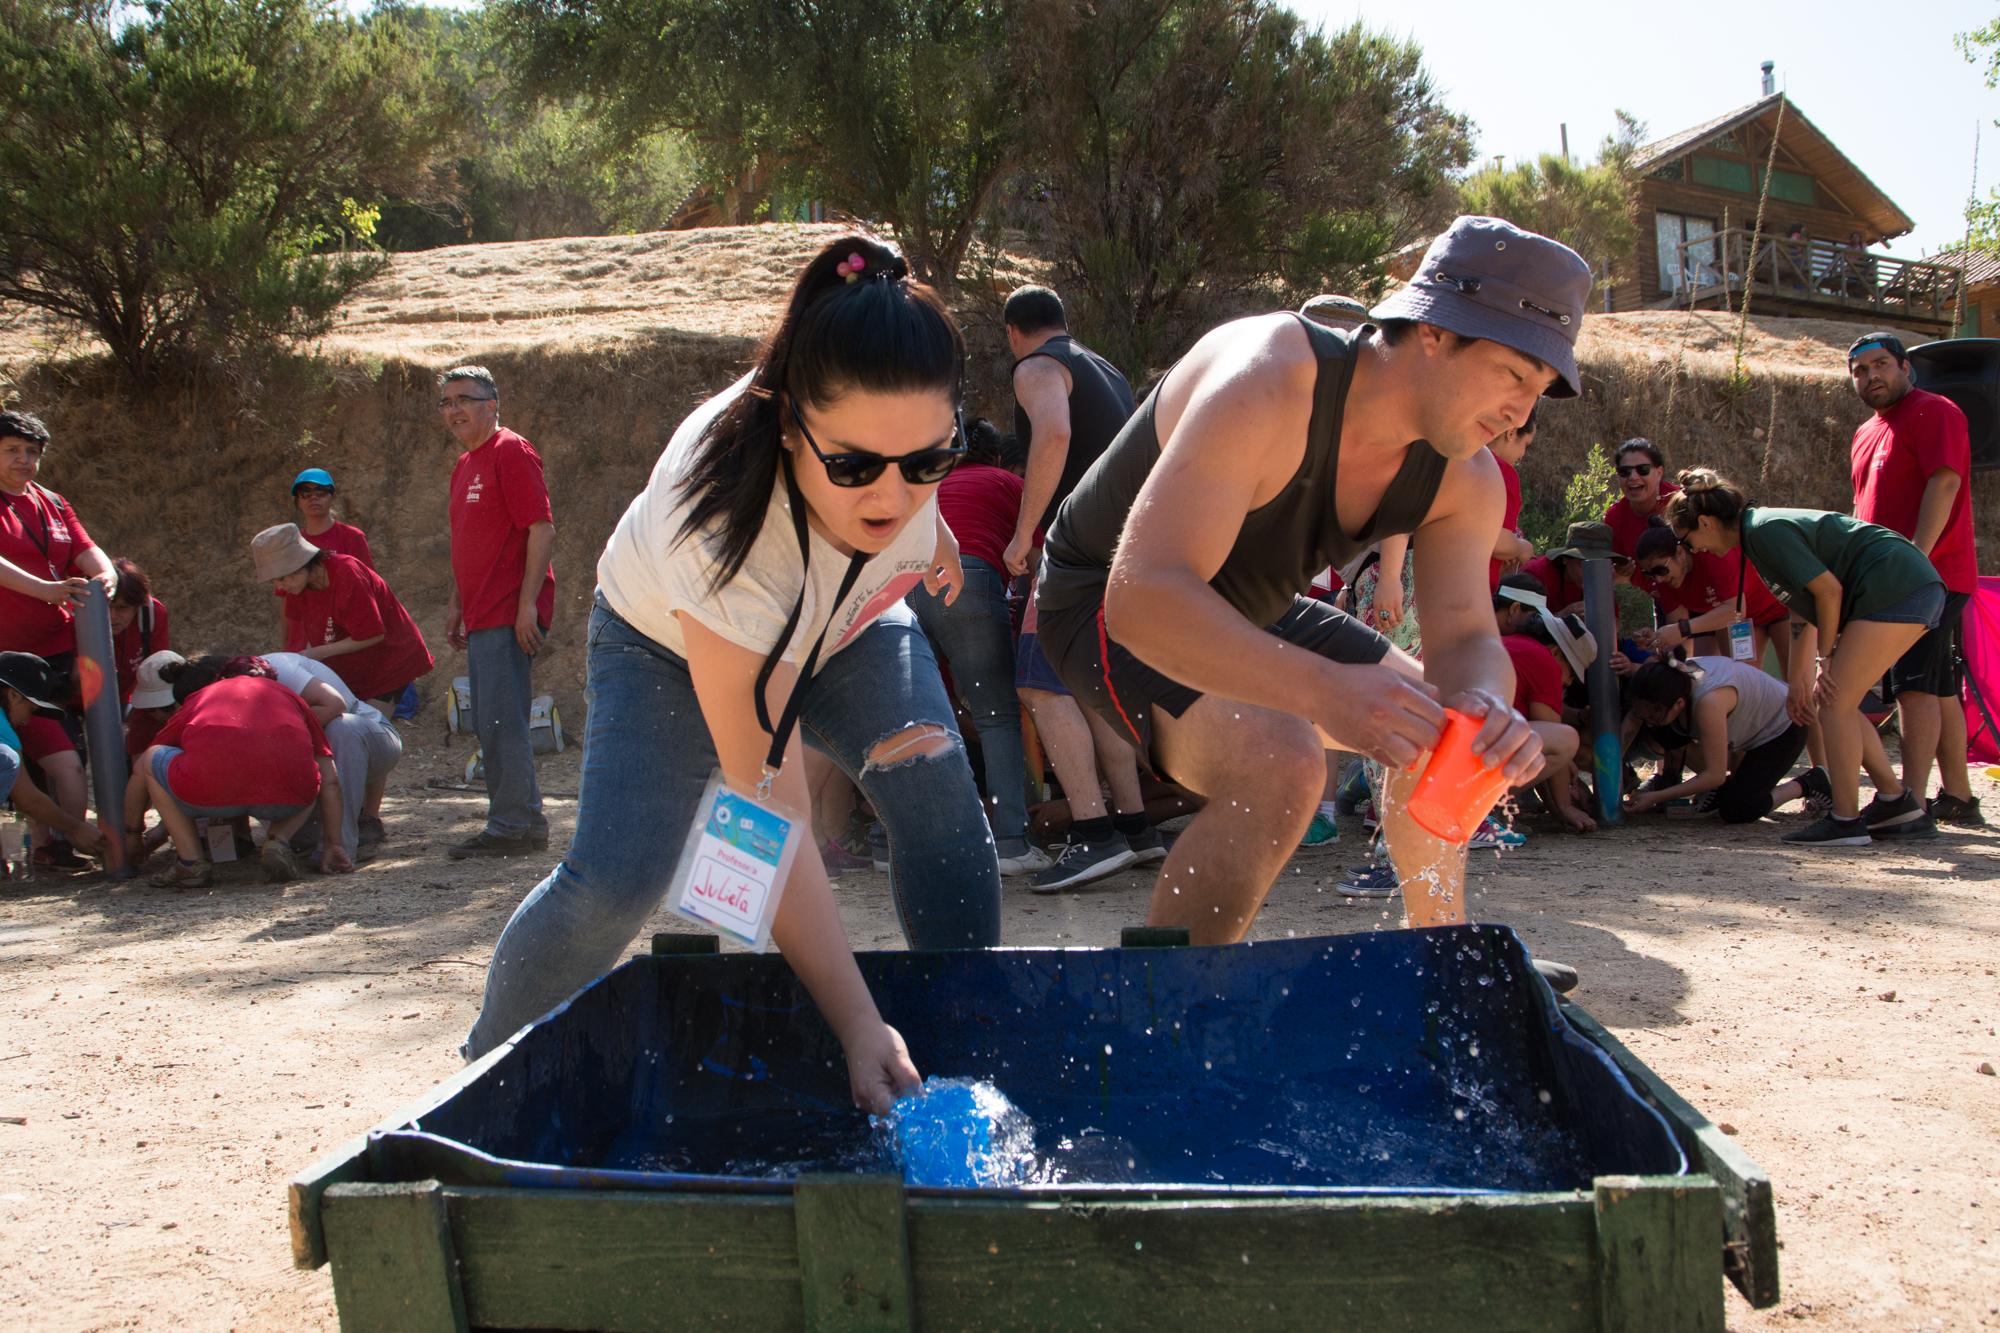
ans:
(705, 602)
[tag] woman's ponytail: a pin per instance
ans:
(1704, 493)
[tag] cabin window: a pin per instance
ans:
(1696, 267)
(1792, 186)
(1724, 174)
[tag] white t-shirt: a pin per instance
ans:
(647, 574)
(296, 671)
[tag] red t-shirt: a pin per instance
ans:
(497, 494)
(1510, 517)
(40, 533)
(134, 646)
(1712, 583)
(245, 741)
(1538, 677)
(1894, 455)
(1626, 525)
(343, 539)
(981, 504)
(42, 736)
(357, 604)
(1561, 593)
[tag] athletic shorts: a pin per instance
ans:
(1124, 691)
(1932, 664)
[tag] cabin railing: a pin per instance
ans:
(1811, 271)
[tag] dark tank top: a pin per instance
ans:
(1100, 403)
(1282, 544)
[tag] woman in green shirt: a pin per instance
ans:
(1860, 597)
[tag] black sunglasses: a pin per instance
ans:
(1635, 469)
(926, 467)
(313, 490)
(1657, 571)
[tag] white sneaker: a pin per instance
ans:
(1031, 862)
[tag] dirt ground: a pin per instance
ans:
(1834, 1009)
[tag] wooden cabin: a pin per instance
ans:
(1695, 202)
(1979, 311)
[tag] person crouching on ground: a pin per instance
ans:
(790, 514)
(28, 688)
(366, 749)
(1519, 607)
(246, 746)
(1745, 741)
(1860, 596)
(339, 611)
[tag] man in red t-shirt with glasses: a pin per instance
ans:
(503, 597)
(1912, 465)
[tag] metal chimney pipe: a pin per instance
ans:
(1770, 82)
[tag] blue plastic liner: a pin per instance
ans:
(1407, 1061)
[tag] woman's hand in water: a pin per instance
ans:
(879, 1069)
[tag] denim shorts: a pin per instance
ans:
(1922, 607)
(163, 755)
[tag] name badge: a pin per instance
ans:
(1742, 644)
(733, 868)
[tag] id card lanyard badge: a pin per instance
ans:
(1742, 641)
(739, 850)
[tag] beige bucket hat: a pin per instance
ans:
(279, 551)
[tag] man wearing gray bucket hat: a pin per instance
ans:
(1274, 449)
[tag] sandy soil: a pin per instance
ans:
(1834, 1009)
(583, 291)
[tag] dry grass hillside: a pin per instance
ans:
(602, 344)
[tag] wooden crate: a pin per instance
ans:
(837, 1252)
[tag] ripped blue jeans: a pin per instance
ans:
(646, 757)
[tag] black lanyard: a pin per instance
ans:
(781, 734)
(1742, 572)
(47, 540)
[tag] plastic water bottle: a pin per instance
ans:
(19, 848)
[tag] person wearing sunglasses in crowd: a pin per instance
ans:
(313, 497)
(503, 600)
(1698, 596)
(758, 581)
(1643, 488)
(1859, 595)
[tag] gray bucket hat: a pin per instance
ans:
(1487, 278)
(1589, 541)
(281, 550)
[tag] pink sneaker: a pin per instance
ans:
(839, 861)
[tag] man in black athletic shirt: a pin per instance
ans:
(1171, 581)
(1069, 404)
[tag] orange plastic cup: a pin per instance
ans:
(1457, 789)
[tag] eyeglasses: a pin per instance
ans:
(1656, 571)
(1635, 469)
(313, 490)
(463, 400)
(926, 467)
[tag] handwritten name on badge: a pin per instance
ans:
(734, 866)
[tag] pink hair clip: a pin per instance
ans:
(850, 267)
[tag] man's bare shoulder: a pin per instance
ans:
(1040, 372)
(1259, 371)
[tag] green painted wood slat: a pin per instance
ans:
(854, 1253)
(1658, 1266)
(394, 1270)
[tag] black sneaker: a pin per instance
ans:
(370, 830)
(1082, 862)
(1828, 831)
(1818, 790)
(1147, 847)
(492, 844)
(1898, 818)
(1948, 809)
(1708, 804)
(1370, 881)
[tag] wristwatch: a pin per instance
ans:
(1686, 627)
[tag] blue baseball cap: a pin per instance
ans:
(312, 476)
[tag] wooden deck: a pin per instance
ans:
(1811, 277)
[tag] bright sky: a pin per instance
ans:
(1883, 82)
